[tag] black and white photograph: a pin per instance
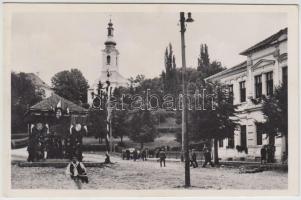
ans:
(151, 98)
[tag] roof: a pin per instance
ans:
(37, 81)
(115, 78)
(51, 102)
(240, 66)
(265, 42)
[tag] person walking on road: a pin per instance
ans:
(263, 153)
(207, 154)
(162, 156)
(193, 160)
(77, 171)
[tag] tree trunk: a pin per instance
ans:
(215, 152)
(141, 145)
(121, 139)
(99, 140)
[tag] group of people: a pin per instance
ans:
(135, 154)
(267, 153)
(48, 143)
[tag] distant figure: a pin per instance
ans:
(207, 155)
(128, 154)
(135, 155)
(162, 157)
(107, 160)
(263, 153)
(270, 153)
(143, 155)
(77, 172)
(193, 160)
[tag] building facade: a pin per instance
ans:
(110, 66)
(264, 69)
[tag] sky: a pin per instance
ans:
(49, 42)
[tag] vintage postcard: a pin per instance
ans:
(150, 100)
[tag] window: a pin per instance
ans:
(284, 76)
(259, 132)
(220, 142)
(242, 86)
(243, 136)
(258, 86)
(108, 60)
(269, 82)
(230, 88)
(231, 141)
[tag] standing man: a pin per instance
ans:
(193, 159)
(207, 154)
(135, 155)
(263, 153)
(162, 156)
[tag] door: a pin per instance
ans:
(243, 136)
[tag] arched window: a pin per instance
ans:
(108, 60)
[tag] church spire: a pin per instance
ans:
(110, 40)
(110, 29)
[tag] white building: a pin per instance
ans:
(264, 68)
(110, 65)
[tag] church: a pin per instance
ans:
(110, 66)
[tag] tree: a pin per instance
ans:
(120, 114)
(23, 95)
(203, 60)
(142, 127)
(216, 122)
(119, 124)
(97, 123)
(275, 111)
(71, 85)
(205, 66)
(170, 76)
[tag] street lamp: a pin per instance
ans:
(185, 139)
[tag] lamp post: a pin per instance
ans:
(185, 139)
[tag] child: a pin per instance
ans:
(77, 172)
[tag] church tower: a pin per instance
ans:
(110, 53)
(110, 65)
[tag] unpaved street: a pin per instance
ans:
(147, 175)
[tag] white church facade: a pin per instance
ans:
(264, 69)
(110, 66)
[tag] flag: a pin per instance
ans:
(59, 104)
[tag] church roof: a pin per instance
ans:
(115, 78)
